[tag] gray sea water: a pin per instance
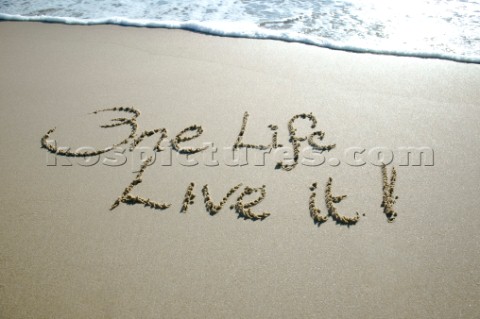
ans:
(426, 28)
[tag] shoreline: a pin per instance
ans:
(257, 33)
(66, 254)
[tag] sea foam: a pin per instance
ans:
(448, 31)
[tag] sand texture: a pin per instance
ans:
(132, 241)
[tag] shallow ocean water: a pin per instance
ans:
(426, 28)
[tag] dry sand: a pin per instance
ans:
(64, 254)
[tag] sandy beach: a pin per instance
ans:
(65, 254)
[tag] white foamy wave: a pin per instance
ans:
(248, 29)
